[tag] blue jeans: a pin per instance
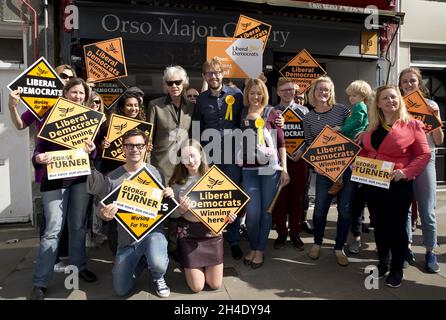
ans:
(425, 192)
(58, 206)
(132, 259)
(234, 172)
(261, 189)
(322, 205)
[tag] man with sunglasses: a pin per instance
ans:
(219, 108)
(133, 256)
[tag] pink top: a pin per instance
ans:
(405, 145)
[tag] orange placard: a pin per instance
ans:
(250, 28)
(214, 197)
(293, 130)
(241, 58)
(331, 152)
(303, 69)
(105, 60)
(419, 109)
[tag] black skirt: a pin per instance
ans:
(198, 246)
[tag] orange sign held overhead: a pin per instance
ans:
(117, 127)
(39, 87)
(105, 60)
(110, 92)
(293, 130)
(331, 152)
(303, 69)
(419, 109)
(253, 29)
(214, 197)
(240, 58)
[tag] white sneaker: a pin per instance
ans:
(162, 290)
(354, 246)
(60, 267)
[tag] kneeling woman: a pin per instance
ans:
(200, 250)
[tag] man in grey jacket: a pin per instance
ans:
(133, 256)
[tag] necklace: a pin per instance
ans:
(318, 117)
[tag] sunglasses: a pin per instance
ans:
(192, 95)
(65, 76)
(97, 101)
(176, 82)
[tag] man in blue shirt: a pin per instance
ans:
(218, 111)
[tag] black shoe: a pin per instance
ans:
(38, 293)
(306, 226)
(236, 252)
(280, 241)
(255, 265)
(297, 242)
(87, 276)
(394, 279)
(409, 259)
(383, 269)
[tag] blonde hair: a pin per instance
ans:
(376, 116)
(362, 88)
(212, 64)
(264, 90)
(283, 80)
(93, 95)
(331, 100)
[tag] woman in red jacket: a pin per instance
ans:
(393, 136)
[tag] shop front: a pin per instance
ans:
(155, 37)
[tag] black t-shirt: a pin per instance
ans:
(378, 136)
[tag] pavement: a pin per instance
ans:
(287, 274)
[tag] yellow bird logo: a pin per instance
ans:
(65, 111)
(111, 48)
(253, 48)
(327, 139)
(412, 104)
(142, 181)
(302, 60)
(41, 72)
(214, 182)
(245, 25)
(120, 127)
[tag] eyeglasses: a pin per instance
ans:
(299, 98)
(130, 146)
(213, 73)
(177, 82)
(192, 95)
(66, 76)
(97, 101)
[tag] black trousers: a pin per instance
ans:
(389, 208)
(358, 205)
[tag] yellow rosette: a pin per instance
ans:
(259, 123)
(230, 100)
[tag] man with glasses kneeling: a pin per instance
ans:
(132, 256)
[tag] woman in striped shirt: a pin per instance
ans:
(326, 112)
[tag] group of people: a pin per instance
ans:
(258, 163)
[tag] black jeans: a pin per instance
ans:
(389, 208)
(358, 205)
